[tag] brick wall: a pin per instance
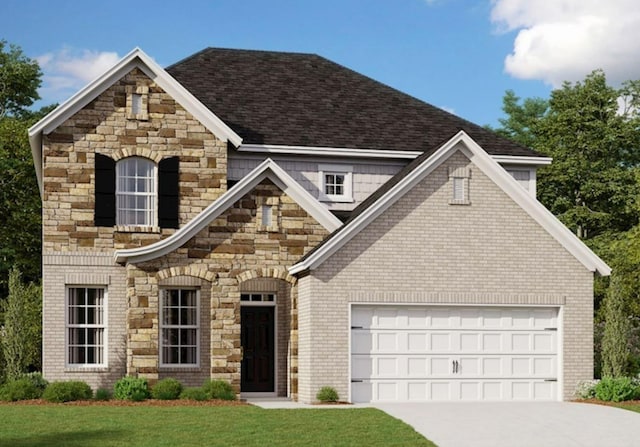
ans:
(423, 249)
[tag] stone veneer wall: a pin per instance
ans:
(104, 126)
(232, 250)
(424, 250)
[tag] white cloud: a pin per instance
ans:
(563, 40)
(68, 70)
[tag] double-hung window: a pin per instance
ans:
(180, 328)
(136, 192)
(86, 326)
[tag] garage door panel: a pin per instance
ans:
(453, 353)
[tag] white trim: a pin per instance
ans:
(105, 326)
(522, 160)
(531, 183)
(495, 172)
(135, 59)
(267, 169)
(327, 151)
(161, 326)
(335, 169)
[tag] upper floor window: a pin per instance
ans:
(336, 183)
(136, 192)
(459, 178)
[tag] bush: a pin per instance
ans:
(21, 389)
(587, 389)
(67, 391)
(102, 394)
(166, 389)
(219, 389)
(38, 381)
(327, 394)
(617, 389)
(195, 393)
(131, 388)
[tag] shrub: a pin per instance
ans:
(21, 389)
(194, 393)
(38, 381)
(67, 391)
(131, 388)
(587, 389)
(166, 389)
(327, 394)
(102, 394)
(219, 389)
(617, 389)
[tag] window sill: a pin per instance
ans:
(173, 368)
(86, 369)
(136, 229)
(459, 202)
(336, 199)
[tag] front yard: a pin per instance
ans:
(184, 425)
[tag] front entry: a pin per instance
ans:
(258, 361)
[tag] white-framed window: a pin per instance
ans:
(179, 327)
(335, 183)
(525, 177)
(136, 197)
(257, 297)
(137, 102)
(458, 189)
(86, 327)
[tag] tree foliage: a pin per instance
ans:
(21, 339)
(522, 117)
(20, 78)
(615, 349)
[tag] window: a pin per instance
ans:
(525, 178)
(266, 215)
(180, 328)
(136, 192)
(458, 189)
(137, 102)
(257, 297)
(86, 326)
(336, 183)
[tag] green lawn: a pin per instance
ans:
(63, 425)
(633, 406)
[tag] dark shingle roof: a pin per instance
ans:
(307, 100)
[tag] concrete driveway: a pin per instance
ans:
(562, 424)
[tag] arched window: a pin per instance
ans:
(136, 192)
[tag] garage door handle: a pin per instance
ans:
(455, 366)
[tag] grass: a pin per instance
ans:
(55, 425)
(633, 406)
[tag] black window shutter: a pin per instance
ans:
(105, 208)
(168, 192)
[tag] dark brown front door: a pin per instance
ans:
(258, 349)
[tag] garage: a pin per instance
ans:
(454, 353)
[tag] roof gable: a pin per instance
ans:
(268, 169)
(135, 59)
(420, 168)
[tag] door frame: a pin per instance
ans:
(273, 304)
(559, 337)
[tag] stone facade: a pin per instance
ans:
(106, 127)
(425, 250)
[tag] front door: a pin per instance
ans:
(257, 335)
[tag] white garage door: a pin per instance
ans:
(420, 353)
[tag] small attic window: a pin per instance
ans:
(459, 180)
(138, 103)
(267, 214)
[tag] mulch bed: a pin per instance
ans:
(146, 403)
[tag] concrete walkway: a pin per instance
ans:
(561, 424)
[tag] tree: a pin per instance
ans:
(22, 333)
(591, 184)
(519, 125)
(19, 80)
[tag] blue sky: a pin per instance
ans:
(460, 55)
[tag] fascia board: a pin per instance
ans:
(327, 151)
(267, 169)
(521, 160)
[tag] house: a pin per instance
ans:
(283, 223)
